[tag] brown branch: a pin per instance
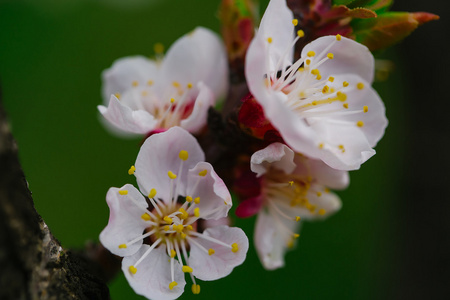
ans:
(32, 262)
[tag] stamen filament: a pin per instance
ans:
(153, 246)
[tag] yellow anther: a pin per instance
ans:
(319, 77)
(311, 53)
(330, 55)
(296, 235)
(314, 102)
(149, 82)
(144, 93)
(360, 85)
(171, 175)
(186, 269)
(117, 95)
(325, 89)
(167, 227)
(302, 94)
(301, 69)
(152, 193)
(184, 214)
(321, 146)
(301, 33)
(172, 100)
(315, 72)
(365, 109)
(326, 190)
(183, 235)
(295, 22)
(319, 194)
(168, 219)
(321, 211)
(178, 228)
(183, 155)
(197, 212)
(291, 183)
(338, 37)
(173, 253)
(135, 83)
(341, 96)
(131, 170)
(211, 251)
(176, 84)
(197, 200)
(345, 84)
(331, 79)
(158, 48)
(189, 227)
(132, 269)
(123, 192)
(234, 247)
(297, 218)
(188, 199)
(341, 147)
(189, 85)
(290, 244)
(122, 246)
(172, 285)
(360, 123)
(203, 173)
(269, 40)
(332, 89)
(345, 105)
(307, 62)
(146, 217)
(195, 289)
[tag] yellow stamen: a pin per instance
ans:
(188, 199)
(186, 269)
(183, 155)
(146, 217)
(301, 33)
(117, 95)
(311, 53)
(203, 173)
(330, 55)
(195, 289)
(321, 146)
(122, 246)
(135, 83)
(131, 170)
(211, 251)
(234, 247)
(171, 175)
(360, 123)
(176, 84)
(319, 77)
(295, 22)
(325, 89)
(296, 235)
(197, 212)
(301, 69)
(189, 227)
(184, 214)
(149, 82)
(291, 183)
(172, 285)
(307, 62)
(360, 85)
(132, 269)
(331, 79)
(341, 96)
(152, 193)
(345, 84)
(197, 200)
(338, 37)
(189, 85)
(183, 235)
(172, 100)
(168, 219)
(269, 40)
(321, 211)
(158, 48)
(167, 227)
(365, 109)
(341, 147)
(319, 194)
(123, 192)
(345, 105)
(315, 72)
(173, 253)
(297, 218)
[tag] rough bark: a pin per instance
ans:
(32, 262)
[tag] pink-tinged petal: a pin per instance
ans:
(198, 117)
(215, 199)
(249, 207)
(127, 72)
(276, 155)
(271, 239)
(276, 25)
(224, 260)
(125, 222)
(198, 56)
(124, 119)
(160, 154)
(350, 57)
(210, 223)
(153, 276)
(321, 172)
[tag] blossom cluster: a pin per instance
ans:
(308, 120)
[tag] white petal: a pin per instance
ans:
(160, 154)
(350, 57)
(223, 261)
(197, 56)
(215, 199)
(275, 155)
(125, 119)
(327, 201)
(125, 222)
(276, 24)
(321, 172)
(197, 120)
(271, 239)
(124, 72)
(153, 275)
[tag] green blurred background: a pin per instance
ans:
(51, 56)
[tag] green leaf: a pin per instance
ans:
(342, 2)
(388, 28)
